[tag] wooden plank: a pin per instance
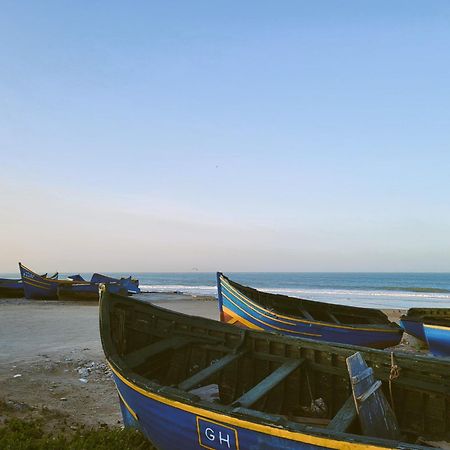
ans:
(138, 357)
(306, 314)
(344, 417)
(375, 414)
(333, 317)
(205, 373)
(264, 386)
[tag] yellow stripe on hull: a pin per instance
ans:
(322, 324)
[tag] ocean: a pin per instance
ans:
(379, 290)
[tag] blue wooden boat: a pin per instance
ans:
(189, 383)
(13, 288)
(437, 333)
(130, 283)
(90, 291)
(412, 322)
(250, 308)
(36, 286)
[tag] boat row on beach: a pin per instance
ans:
(31, 285)
(271, 374)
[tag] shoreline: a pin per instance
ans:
(52, 364)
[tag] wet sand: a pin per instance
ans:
(52, 364)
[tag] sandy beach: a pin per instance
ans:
(52, 364)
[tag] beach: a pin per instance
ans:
(52, 364)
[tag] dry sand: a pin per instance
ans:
(52, 364)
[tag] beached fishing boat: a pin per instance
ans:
(130, 283)
(189, 382)
(36, 286)
(74, 288)
(13, 288)
(437, 333)
(412, 322)
(90, 291)
(247, 307)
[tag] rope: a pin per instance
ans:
(393, 375)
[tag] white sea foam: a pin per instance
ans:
(363, 298)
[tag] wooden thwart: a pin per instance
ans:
(138, 357)
(205, 373)
(264, 386)
(344, 417)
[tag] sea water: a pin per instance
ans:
(379, 290)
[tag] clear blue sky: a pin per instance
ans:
(253, 136)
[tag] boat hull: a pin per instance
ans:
(11, 288)
(413, 327)
(236, 308)
(438, 339)
(36, 287)
(172, 425)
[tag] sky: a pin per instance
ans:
(235, 136)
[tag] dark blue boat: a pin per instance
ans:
(131, 284)
(90, 291)
(36, 286)
(412, 322)
(13, 288)
(189, 383)
(437, 333)
(250, 308)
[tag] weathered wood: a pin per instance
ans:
(375, 414)
(332, 317)
(306, 314)
(138, 357)
(204, 374)
(344, 417)
(263, 387)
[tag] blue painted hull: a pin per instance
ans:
(11, 288)
(414, 328)
(238, 309)
(171, 425)
(38, 287)
(129, 283)
(438, 338)
(87, 291)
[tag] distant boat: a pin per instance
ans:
(74, 288)
(247, 307)
(13, 288)
(131, 284)
(437, 333)
(36, 286)
(189, 382)
(90, 291)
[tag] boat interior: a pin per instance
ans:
(261, 377)
(312, 310)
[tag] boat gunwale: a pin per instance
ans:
(206, 409)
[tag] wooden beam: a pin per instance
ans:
(344, 417)
(138, 357)
(306, 314)
(333, 317)
(205, 373)
(263, 387)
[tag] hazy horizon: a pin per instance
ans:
(294, 137)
